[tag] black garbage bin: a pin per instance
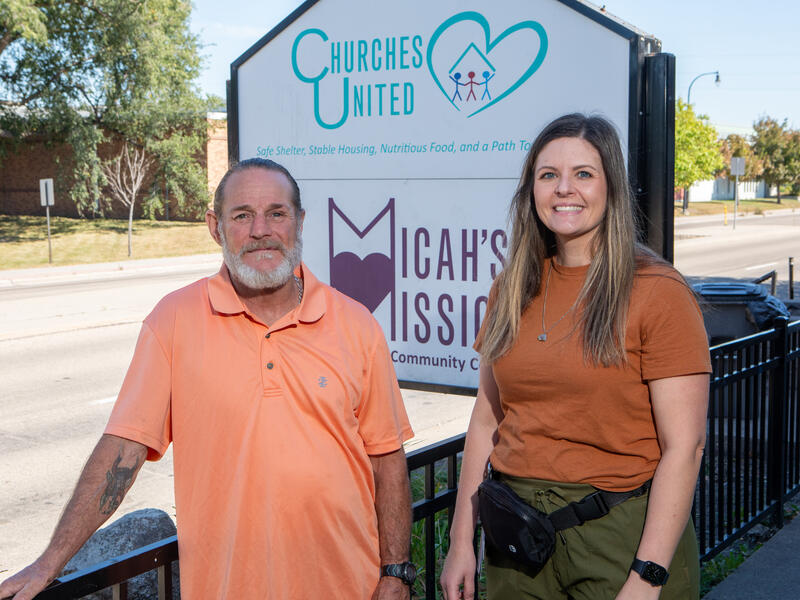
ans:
(733, 309)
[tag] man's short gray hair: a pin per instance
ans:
(256, 163)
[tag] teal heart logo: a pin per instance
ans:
(485, 56)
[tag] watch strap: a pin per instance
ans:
(405, 572)
(651, 572)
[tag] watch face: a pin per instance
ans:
(654, 573)
(409, 573)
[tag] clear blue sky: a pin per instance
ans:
(754, 45)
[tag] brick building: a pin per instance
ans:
(21, 171)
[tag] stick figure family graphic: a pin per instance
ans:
(471, 60)
(456, 78)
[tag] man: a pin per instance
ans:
(287, 422)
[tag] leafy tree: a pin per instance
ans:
(88, 71)
(793, 159)
(738, 146)
(697, 154)
(772, 143)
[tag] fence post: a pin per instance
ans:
(776, 476)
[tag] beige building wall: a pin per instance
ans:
(216, 149)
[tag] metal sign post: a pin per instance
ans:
(737, 168)
(48, 199)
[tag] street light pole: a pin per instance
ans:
(689, 93)
(689, 102)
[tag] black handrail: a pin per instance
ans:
(116, 572)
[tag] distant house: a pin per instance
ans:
(722, 188)
(21, 171)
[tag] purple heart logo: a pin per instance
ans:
(368, 280)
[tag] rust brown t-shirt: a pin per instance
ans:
(569, 421)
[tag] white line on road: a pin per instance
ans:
(753, 268)
(108, 400)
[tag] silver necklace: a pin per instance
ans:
(298, 282)
(543, 336)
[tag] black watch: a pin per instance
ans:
(405, 572)
(652, 573)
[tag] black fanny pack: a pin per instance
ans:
(519, 531)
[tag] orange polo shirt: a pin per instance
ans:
(272, 429)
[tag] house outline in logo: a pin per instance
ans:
(463, 54)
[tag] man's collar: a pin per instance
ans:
(313, 305)
(221, 294)
(225, 300)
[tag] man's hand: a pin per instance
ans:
(28, 582)
(391, 588)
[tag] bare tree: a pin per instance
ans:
(126, 174)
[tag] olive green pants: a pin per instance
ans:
(591, 561)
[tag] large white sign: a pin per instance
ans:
(406, 125)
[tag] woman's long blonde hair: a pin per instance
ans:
(603, 299)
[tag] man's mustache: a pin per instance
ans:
(263, 246)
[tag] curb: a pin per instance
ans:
(103, 271)
(720, 216)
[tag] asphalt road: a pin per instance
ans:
(66, 340)
(706, 248)
(56, 394)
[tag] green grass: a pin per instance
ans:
(746, 207)
(719, 567)
(23, 240)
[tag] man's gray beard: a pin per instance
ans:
(262, 280)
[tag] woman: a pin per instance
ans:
(594, 375)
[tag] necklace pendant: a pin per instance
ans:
(542, 337)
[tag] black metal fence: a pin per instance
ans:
(750, 467)
(435, 467)
(752, 459)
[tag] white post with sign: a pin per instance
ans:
(737, 168)
(48, 199)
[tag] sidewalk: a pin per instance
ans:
(771, 573)
(720, 217)
(110, 270)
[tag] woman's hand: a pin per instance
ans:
(458, 574)
(636, 588)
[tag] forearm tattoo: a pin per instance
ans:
(118, 479)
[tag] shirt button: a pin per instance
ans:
(270, 365)
(267, 336)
